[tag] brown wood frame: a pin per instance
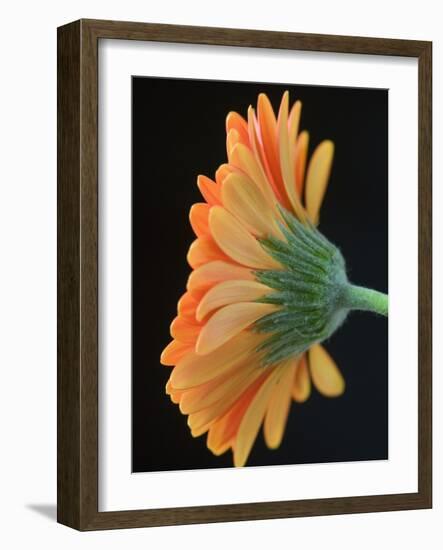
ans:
(77, 456)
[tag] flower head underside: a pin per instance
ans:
(266, 287)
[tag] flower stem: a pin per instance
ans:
(366, 299)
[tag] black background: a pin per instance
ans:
(178, 133)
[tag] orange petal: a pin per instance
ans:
(325, 374)
(219, 388)
(287, 159)
(218, 441)
(268, 132)
(258, 149)
(236, 122)
(242, 158)
(222, 172)
(236, 242)
(207, 275)
(215, 447)
(222, 432)
(252, 420)
(279, 405)
(228, 322)
(294, 122)
(183, 331)
(173, 352)
(187, 306)
(246, 202)
(232, 138)
(201, 420)
(195, 369)
(198, 216)
(301, 154)
(204, 250)
(209, 189)
(301, 389)
(174, 394)
(317, 178)
(230, 292)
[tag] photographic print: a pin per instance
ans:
(260, 274)
(239, 298)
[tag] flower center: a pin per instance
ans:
(309, 289)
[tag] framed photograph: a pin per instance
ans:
(244, 275)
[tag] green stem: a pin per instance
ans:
(366, 299)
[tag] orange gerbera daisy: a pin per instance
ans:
(266, 287)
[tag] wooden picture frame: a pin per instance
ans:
(78, 275)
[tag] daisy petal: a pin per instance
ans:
(187, 306)
(301, 389)
(202, 419)
(174, 394)
(198, 216)
(301, 154)
(209, 189)
(223, 430)
(268, 132)
(183, 331)
(218, 441)
(195, 369)
(317, 178)
(236, 242)
(232, 139)
(294, 122)
(207, 275)
(219, 388)
(242, 158)
(279, 405)
(204, 250)
(256, 141)
(230, 292)
(325, 374)
(228, 322)
(173, 352)
(245, 200)
(223, 172)
(215, 447)
(252, 420)
(234, 121)
(287, 159)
